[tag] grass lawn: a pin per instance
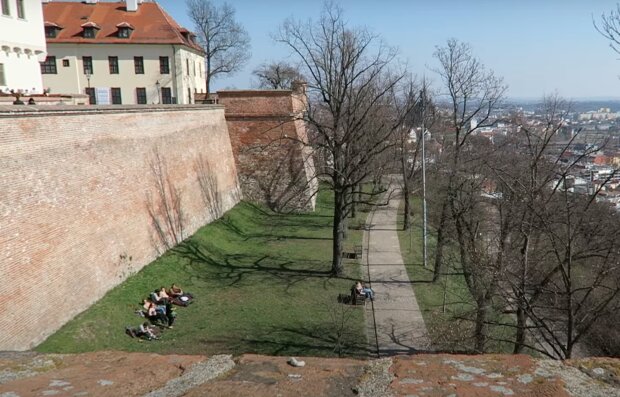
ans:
(443, 302)
(261, 284)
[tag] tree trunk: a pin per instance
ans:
(338, 232)
(440, 240)
(406, 197)
(520, 337)
(353, 202)
(481, 331)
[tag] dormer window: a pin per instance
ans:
(124, 33)
(89, 30)
(89, 33)
(52, 30)
(124, 30)
(188, 36)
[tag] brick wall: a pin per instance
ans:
(269, 142)
(73, 202)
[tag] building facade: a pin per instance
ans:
(129, 52)
(22, 46)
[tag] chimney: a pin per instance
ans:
(91, 1)
(132, 5)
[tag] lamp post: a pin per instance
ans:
(90, 96)
(158, 86)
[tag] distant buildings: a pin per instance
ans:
(22, 46)
(601, 114)
(129, 52)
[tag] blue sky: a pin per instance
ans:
(537, 46)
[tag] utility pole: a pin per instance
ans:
(423, 176)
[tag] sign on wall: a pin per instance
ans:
(103, 95)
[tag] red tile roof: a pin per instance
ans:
(152, 25)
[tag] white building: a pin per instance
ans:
(22, 45)
(129, 52)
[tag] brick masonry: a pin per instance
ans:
(73, 202)
(270, 145)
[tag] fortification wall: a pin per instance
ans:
(75, 193)
(270, 144)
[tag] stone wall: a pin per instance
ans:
(269, 142)
(75, 193)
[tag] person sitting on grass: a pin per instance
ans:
(179, 297)
(144, 331)
(175, 291)
(157, 313)
(160, 296)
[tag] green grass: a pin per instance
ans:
(445, 302)
(261, 284)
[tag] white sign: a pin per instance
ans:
(102, 95)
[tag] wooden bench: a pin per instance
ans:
(358, 251)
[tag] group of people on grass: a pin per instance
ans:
(159, 310)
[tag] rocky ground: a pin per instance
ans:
(142, 374)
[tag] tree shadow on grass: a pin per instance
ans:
(232, 226)
(234, 269)
(313, 340)
(263, 211)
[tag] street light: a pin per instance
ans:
(158, 86)
(90, 95)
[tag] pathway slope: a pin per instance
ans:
(395, 324)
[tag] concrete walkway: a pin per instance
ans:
(394, 321)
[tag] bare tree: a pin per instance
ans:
(277, 75)
(474, 93)
(225, 42)
(349, 110)
(559, 270)
(609, 27)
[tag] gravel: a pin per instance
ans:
(196, 375)
(377, 379)
(577, 383)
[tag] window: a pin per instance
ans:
(187, 64)
(194, 68)
(138, 63)
(141, 95)
(166, 95)
(49, 66)
(116, 96)
(91, 95)
(89, 33)
(51, 32)
(164, 65)
(5, 7)
(124, 33)
(2, 78)
(200, 68)
(88, 65)
(113, 62)
(189, 95)
(65, 63)
(20, 9)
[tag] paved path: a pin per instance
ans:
(394, 314)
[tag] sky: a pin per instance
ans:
(539, 47)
